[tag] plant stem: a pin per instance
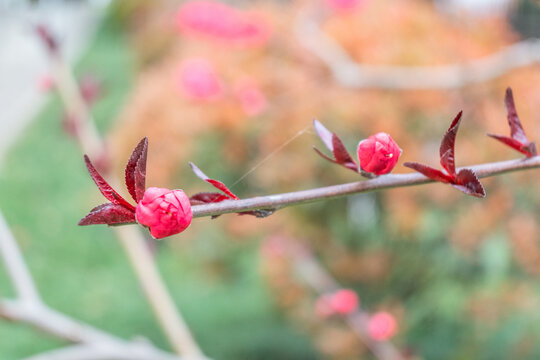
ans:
(279, 201)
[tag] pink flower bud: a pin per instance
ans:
(342, 5)
(382, 326)
(166, 212)
(378, 154)
(199, 80)
(344, 301)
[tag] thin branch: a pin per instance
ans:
(52, 322)
(133, 242)
(322, 282)
(354, 75)
(16, 267)
(105, 352)
(279, 201)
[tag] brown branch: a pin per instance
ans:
(354, 75)
(279, 201)
(169, 317)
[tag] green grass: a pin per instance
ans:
(45, 190)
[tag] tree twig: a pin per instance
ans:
(279, 201)
(133, 242)
(351, 74)
(16, 267)
(322, 282)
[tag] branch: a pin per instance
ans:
(133, 242)
(279, 201)
(102, 352)
(16, 267)
(322, 282)
(354, 75)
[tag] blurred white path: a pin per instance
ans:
(23, 60)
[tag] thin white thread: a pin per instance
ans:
(278, 149)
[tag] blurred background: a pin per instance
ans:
(459, 274)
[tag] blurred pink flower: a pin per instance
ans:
(45, 83)
(382, 326)
(199, 80)
(341, 5)
(345, 301)
(222, 22)
(341, 302)
(251, 97)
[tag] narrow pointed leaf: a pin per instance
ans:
(324, 156)
(429, 172)
(110, 214)
(217, 184)
(324, 134)
(513, 143)
(341, 154)
(516, 129)
(104, 187)
(467, 182)
(207, 197)
(448, 142)
(136, 171)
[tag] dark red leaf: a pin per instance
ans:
(104, 187)
(136, 170)
(429, 172)
(342, 155)
(448, 142)
(325, 135)
(513, 143)
(207, 197)
(110, 214)
(516, 129)
(324, 156)
(468, 182)
(217, 184)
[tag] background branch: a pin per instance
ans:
(279, 201)
(133, 242)
(322, 282)
(351, 74)
(16, 267)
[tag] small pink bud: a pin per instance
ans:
(345, 301)
(166, 212)
(199, 80)
(378, 154)
(341, 5)
(382, 326)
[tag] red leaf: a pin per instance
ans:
(110, 214)
(513, 143)
(324, 156)
(516, 129)
(104, 187)
(468, 182)
(342, 155)
(325, 135)
(207, 197)
(136, 170)
(448, 142)
(429, 172)
(217, 184)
